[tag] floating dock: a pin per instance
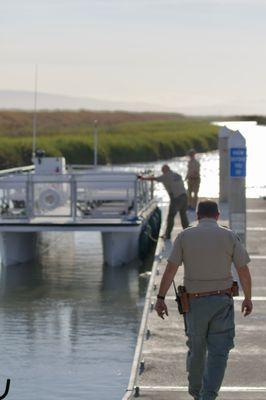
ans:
(158, 370)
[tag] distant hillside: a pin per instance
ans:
(23, 100)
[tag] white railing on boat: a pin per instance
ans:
(75, 196)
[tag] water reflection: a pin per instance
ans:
(19, 280)
(68, 323)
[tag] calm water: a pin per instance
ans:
(68, 325)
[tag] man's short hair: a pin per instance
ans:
(207, 208)
(191, 151)
(165, 167)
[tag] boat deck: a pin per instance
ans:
(67, 224)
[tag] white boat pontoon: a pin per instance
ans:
(49, 197)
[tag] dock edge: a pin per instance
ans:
(132, 388)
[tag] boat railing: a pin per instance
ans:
(17, 170)
(87, 196)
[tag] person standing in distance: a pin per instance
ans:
(193, 180)
(175, 188)
(207, 252)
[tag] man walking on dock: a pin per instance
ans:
(175, 188)
(207, 251)
(193, 180)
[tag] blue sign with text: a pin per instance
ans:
(238, 157)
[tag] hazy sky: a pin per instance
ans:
(182, 54)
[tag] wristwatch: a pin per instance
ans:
(160, 297)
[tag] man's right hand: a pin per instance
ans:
(161, 308)
(247, 307)
(245, 280)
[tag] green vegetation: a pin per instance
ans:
(123, 137)
(260, 119)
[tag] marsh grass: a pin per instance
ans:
(123, 137)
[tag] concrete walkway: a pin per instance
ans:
(164, 350)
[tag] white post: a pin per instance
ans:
(237, 184)
(34, 120)
(224, 134)
(95, 136)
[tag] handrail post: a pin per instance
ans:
(73, 196)
(136, 197)
(30, 196)
(152, 190)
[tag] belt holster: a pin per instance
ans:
(181, 299)
(235, 289)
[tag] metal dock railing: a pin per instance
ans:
(137, 365)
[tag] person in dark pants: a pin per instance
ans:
(174, 185)
(207, 252)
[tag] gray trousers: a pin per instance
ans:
(177, 204)
(210, 330)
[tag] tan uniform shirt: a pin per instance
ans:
(193, 169)
(173, 183)
(207, 252)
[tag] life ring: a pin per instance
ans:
(49, 199)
